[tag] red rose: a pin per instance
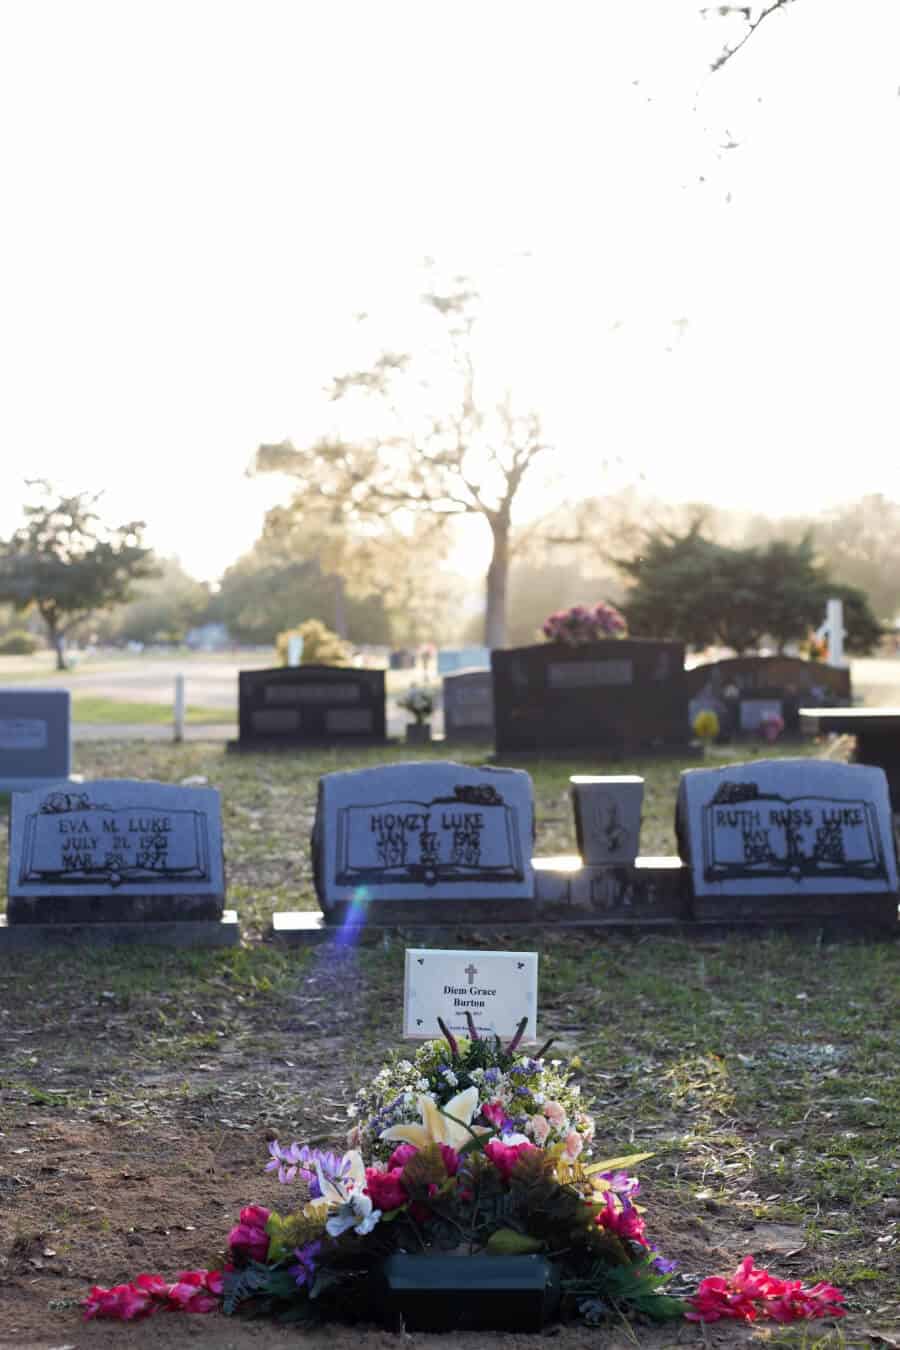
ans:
(451, 1159)
(401, 1155)
(248, 1238)
(386, 1189)
(505, 1156)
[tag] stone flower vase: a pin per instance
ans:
(418, 733)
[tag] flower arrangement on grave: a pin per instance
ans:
(419, 702)
(474, 1148)
(771, 725)
(815, 648)
(706, 726)
(584, 623)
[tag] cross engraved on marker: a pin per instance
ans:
(471, 971)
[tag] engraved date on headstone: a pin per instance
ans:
(115, 846)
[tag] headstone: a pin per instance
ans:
(452, 659)
(607, 817)
(115, 850)
(755, 711)
(424, 839)
(469, 706)
(620, 696)
(497, 988)
(788, 837)
(743, 690)
(35, 737)
(290, 706)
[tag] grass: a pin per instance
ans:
(762, 1072)
(115, 711)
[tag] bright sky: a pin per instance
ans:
(199, 195)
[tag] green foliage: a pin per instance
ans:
(688, 587)
(635, 1288)
(66, 565)
(862, 628)
(294, 1230)
(246, 1283)
(321, 647)
(284, 575)
(163, 608)
(507, 1242)
(18, 642)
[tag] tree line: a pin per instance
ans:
(678, 576)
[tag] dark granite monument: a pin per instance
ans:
(35, 737)
(788, 838)
(618, 696)
(292, 706)
(117, 857)
(877, 733)
(744, 690)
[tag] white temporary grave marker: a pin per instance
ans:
(497, 988)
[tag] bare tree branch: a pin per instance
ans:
(728, 52)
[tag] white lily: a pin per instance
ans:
(346, 1197)
(437, 1128)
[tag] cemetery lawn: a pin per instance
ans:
(110, 710)
(138, 1087)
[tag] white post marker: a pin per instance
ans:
(833, 631)
(179, 707)
(497, 988)
(295, 649)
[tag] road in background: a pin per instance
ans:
(211, 681)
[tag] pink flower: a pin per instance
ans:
(249, 1239)
(574, 1145)
(386, 1189)
(619, 1216)
(401, 1155)
(505, 1156)
(125, 1302)
(198, 1291)
(191, 1291)
(715, 1299)
(554, 1113)
(495, 1115)
(215, 1282)
(752, 1293)
(451, 1159)
(539, 1126)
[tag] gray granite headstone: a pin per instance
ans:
(35, 737)
(607, 817)
(433, 832)
(787, 827)
(115, 850)
(469, 705)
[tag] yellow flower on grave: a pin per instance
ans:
(438, 1128)
(706, 725)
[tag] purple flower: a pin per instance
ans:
(661, 1264)
(491, 1075)
(306, 1262)
(621, 1183)
(294, 1161)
